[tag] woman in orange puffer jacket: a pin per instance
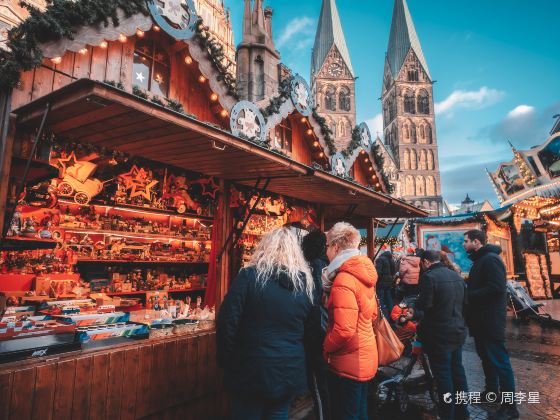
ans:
(349, 348)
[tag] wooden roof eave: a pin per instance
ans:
(94, 35)
(104, 115)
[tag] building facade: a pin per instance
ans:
(408, 114)
(332, 76)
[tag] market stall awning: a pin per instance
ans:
(100, 114)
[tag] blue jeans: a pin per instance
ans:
(385, 295)
(449, 374)
(496, 364)
(259, 409)
(348, 398)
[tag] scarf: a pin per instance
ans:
(330, 272)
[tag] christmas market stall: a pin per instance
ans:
(530, 186)
(446, 233)
(135, 182)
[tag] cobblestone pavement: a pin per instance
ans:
(535, 355)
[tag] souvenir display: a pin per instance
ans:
(539, 288)
(111, 331)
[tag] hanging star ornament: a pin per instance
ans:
(64, 163)
(145, 192)
(129, 177)
(140, 76)
(210, 188)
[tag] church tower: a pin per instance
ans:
(408, 114)
(332, 76)
(257, 59)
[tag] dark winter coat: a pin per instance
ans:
(260, 337)
(386, 270)
(317, 266)
(487, 295)
(440, 308)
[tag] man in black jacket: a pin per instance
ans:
(386, 270)
(486, 318)
(442, 331)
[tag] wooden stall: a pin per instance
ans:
(126, 153)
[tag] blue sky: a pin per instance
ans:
(496, 63)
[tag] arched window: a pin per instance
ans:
(344, 99)
(420, 186)
(423, 102)
(423, 160)
(283, 136)
(409, 185)
(413, 133)
(430, 186)
(150, 70)
(413, 159)
(421, 133)
(406, 133)
(330, 99)
(406, 159)
(429, 133)
(412, 74)
(430, 160)
(409, 102)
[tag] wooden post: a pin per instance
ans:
(371, 238)
(225, 226)
(7, 129)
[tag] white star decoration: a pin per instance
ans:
(248, 124)
(302, 95)
(339, 168)
(140, 76)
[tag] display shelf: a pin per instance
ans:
(133, 235)
(25, 244)
(94, 261)
(39, 170)
(138, 209)
(143, 292)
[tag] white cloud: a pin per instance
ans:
(301, 25)
(376, 125)
(521, 111)
(468, 99)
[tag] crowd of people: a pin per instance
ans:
(299, 319)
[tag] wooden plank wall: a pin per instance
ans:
(360, 174)
(115, 63)
(171, 378)
(300, 146)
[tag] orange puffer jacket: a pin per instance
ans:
(350, 348)
(409, 269)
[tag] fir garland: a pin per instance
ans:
(379, 161)
(325, 131)
(59, 20)
(285, 90)
(354, 143)
(216, 52)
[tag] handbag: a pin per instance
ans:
(389, 347)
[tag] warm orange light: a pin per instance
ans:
(303, 120)
(104, 44)
(56, 60)
(214, 97)
(309, 132)
(201, 79)
(122, 37)
(377, 185)
(362, 152)
(315, 144)
(188, 59)
(370, 169)
(83, 51)
(224, 113)
(373, 177)
(366, 160)
(139, 33)
(156, 28)
(321, 155)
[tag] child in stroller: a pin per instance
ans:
(400, 379)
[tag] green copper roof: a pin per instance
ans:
(329, 33)
(403, 37)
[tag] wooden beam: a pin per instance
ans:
(7, 131)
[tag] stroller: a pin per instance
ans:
(410, 375)
(524, 307)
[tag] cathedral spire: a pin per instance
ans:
(403, 37)
(329, 33)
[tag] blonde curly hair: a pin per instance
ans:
(280, 251)
(345, 236)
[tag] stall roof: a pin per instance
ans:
(382, 232)
(100, 114)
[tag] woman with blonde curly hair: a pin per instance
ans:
(264, 325)
(349, 348)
